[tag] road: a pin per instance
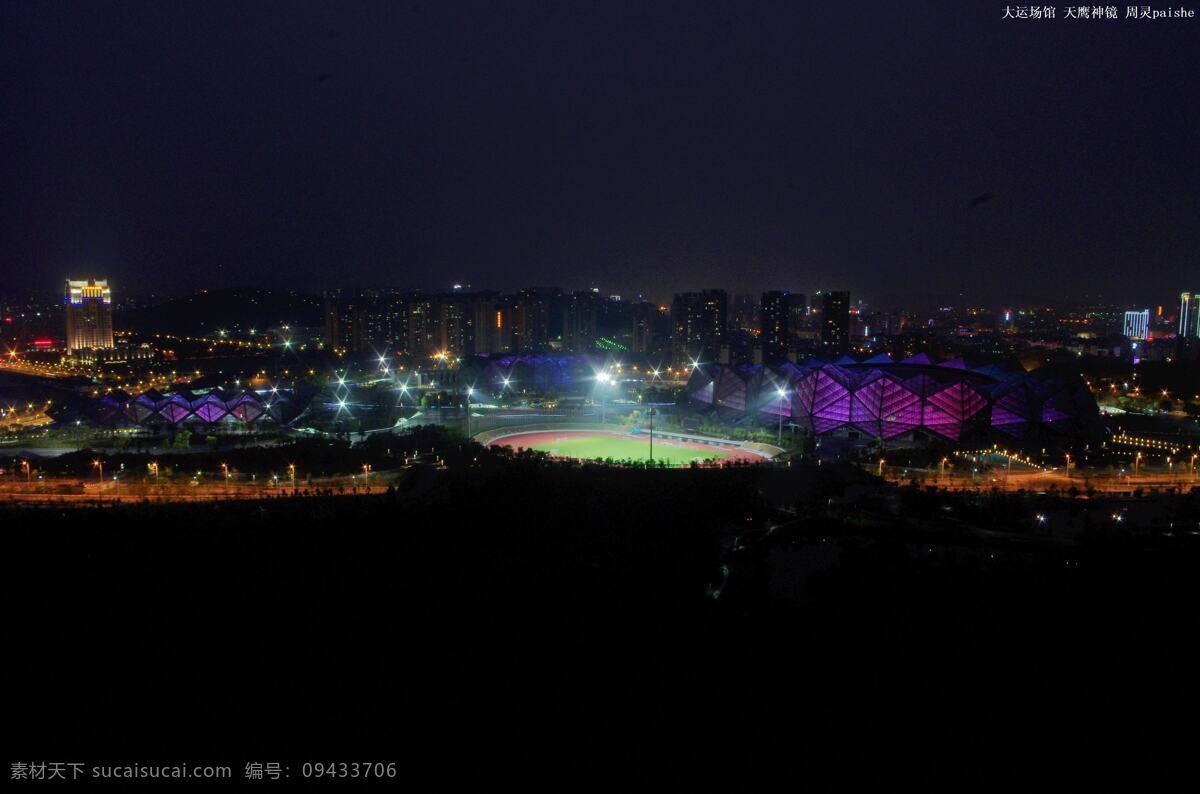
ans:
(1039, 480)
(66, 491)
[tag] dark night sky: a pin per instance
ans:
(634, 146)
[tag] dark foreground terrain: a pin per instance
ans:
(557, 629)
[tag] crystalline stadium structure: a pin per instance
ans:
(214, 408)
(884, 399)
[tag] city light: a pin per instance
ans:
(449, 242)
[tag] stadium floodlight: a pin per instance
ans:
(779, 435)
(470, 391)
(604, 379)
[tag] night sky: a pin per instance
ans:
(894, 148)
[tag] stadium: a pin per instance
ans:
(909, 400)
(583, 442)
(205, 409)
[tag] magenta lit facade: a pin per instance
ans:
(883, 399)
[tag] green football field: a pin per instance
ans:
(591, 447)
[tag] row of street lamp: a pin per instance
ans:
(154, 469)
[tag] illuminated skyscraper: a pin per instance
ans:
(778, 313)
(89, 315)
(492, 319)
(579, 333)
(344, 324)
(1189, 315)
(651, 327)
(537, 318)
(1137, 324)
(835, 322)
(699, 320)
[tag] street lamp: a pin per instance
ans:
(98, 464)
(292, 474)
(29, 471)
(367, 475)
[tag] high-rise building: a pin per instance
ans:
(88, 314)
(1137, 324)
(835, 322)
(642, 315)
(491, 321)
(452, 324)
(344, 324)
(583, 310)
(778, 314)
(422, 326)
(536, 318)
(1189, 315)
(699, 320)
(744, 312)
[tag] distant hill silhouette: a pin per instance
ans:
(236, 308)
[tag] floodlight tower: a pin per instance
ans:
(779, 436)
(651, 434)
(470, 391)
(604, 378)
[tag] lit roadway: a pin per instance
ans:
(62, 491)
(1037, 480)
(38, 370)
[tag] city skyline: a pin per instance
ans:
(1168, 302)
(710, 325)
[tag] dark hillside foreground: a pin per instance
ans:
(555, 628)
